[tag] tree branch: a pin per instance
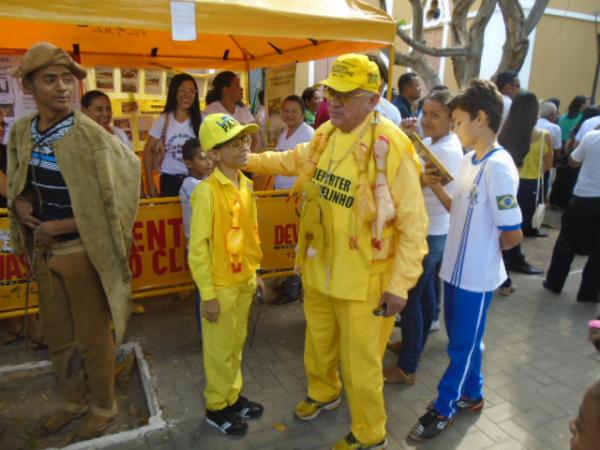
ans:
(417, 22)
(535, 14)
(424, 48)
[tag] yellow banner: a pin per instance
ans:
(158, 258)
(278, 221)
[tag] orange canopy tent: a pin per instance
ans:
(233, 34)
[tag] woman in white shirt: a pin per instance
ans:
(297, 132)
(225, 96)
(422, 307)
(179, 121)
(96, 105)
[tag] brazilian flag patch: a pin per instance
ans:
(506, 202)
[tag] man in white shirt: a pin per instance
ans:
(509, 86)
(385, 107)
(547, 121)
(587, 126)
(580, 225)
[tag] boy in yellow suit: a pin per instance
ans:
(224, 255)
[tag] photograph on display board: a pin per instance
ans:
(144, 125)
(152, 82)
(104, 78)
(129, 107)
(8, 109)
(129, 80)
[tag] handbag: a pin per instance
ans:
(540, 211)
(158, 151)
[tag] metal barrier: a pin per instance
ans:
(158, 259)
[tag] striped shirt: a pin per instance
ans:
(46, 177)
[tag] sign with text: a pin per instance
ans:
(158, 257)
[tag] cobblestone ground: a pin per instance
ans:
(537, 364)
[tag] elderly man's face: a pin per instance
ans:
(348, 110)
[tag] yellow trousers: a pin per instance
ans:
(222, 346)
(344, 332)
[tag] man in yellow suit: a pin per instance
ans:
(362, 238)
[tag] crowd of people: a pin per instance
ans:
(383, 234)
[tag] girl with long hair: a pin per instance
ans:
(178, 122)
(531, 149)
(225, 96)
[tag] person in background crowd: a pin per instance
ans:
(529, 146)
(385, 107)
(572, 117)
(556, 102)
(96, 105)
(297, 132)
(586, 126)
(199, 166)
(566, 174)
(225, 96)
(548, 121)
(312, 98)
(580, 224)
(509, 86)
(421, 309)
(409, 91)
(179, 121)
(352, 273)
(322, 113)
(585, 429)
(260, 116)
(73, 196)
(484, 219)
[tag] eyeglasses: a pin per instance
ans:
(239, 143)
(342, 97)
(187, 91)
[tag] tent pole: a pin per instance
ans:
(391, 60)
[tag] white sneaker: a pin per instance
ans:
(435, 325)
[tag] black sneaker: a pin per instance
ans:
(227, 422)
(470, 405)
(429, 426)
(246, 409)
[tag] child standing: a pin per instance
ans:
(224, 255)
(199, 166)
(484, 220)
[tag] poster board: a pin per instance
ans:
(158, 259)
(280, 82)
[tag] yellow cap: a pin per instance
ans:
(353, 71)
(219, 128)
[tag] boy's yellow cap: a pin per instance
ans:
(219, 128)
(353, 71)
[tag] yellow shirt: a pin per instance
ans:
(404, 243)
(209, 260)
(530, 170)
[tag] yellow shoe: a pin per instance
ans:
(137, 309)
(309, 409)
(351, 443)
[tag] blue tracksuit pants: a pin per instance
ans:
(465, 315)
